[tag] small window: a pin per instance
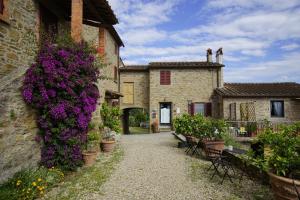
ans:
(4, 11)
(115, 73)
(204, 109)
(165, 77)
(199, 108)
(277, 108)
(128, 92)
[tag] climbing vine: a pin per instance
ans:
(61, 86)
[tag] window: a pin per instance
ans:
(128, 92)
(277, 109)
(232, 111)
(201, 108)
(4, 11)
(115, 73)
(165, 77)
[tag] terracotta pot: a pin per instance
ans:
(284, 188)
(107, 146)
(214, 144)
(89, 157)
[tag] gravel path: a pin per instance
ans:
(154, 168)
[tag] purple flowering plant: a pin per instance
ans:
(61, 86)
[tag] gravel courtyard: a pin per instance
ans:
(154, 168)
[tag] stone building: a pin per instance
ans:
(168, 89)
(21, 25)
(276, 102)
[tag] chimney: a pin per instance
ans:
(219, 56)
(209, 55)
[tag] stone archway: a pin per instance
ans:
(125, 119)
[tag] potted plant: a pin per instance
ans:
(251, 129)
(111, 123)
(183, 125)
(108, 140)
(215, 130)
(91, 151)
(154, 126)
(283, 161)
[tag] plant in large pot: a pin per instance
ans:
(283, 161)
(155, 126)
(108, 140)
(91, 150)
(215, 130)
(111, 126)
(186, 126)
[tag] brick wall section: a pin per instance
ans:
(262, 108)
(141, 88)
(186, 84)
(76, 20)
(17, 121)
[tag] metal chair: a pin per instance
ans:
(219, 161)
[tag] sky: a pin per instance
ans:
(260, 38)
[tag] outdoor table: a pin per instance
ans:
(236, 151)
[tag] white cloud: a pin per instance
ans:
(269, 4)
(257, 52)
(143, 36)
(137, 13)
(290, 47)
(272, 71)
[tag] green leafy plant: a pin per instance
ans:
(137, 116)
(111, 117)
(283, 158)
(200, 127)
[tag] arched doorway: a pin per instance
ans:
(135, 121)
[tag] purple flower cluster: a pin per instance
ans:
(61, 86)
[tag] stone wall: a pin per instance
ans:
(17, 122)
(262, 108)
(141, 88)
(196, 85)
(101, 38)
(18, 47)
(111, 60)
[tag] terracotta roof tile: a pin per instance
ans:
(288, 89)
(161, 65)
(134, 68)
(184, 64)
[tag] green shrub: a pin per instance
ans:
(199, 126)
(111, 117)
(30, 183)
(284, 154)
(136, 116)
